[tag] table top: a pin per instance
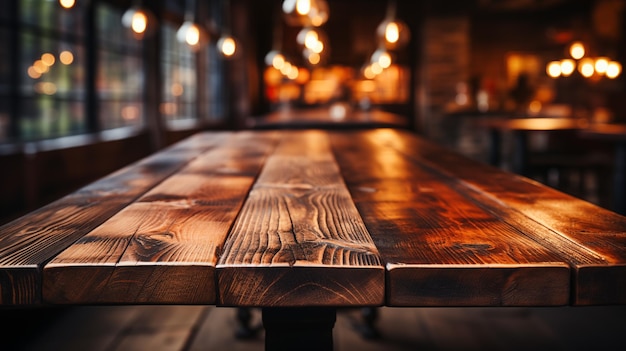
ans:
(335, 116)
(533, 124)
(605, 131)
(314, 218)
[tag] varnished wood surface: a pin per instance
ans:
(27, 243)
(590, 238)
(315, 218)
(299, 240)
(440, 248)
(163, 248)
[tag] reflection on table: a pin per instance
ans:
(334, 116)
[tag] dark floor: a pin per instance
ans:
(190, 328)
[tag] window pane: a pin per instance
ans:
(4, 84)
(120, 85)
(178, 64)
(51, 69)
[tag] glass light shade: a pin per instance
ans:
(613, 69)
(275, 59)
(382, 57)
(554, 69)
(586, 67)
(140, 21)
(227, 45)
(313, 39)
(192, 34)
(577, 50)
(567, 67)
(601, 64)
(305, 12)
(392, 33)
(67, 4)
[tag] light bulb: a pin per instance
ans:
(392, 34)
(305, 12)
(191, 34)
(227, 46)
(140, 21)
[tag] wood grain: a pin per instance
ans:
(590, 238)
(299, 240)
(30, 241)
(439, 246)
(163, 248)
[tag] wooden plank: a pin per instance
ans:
(163, 248)
(299, 240)
(28, 242)
(591, 239)
(439, 246)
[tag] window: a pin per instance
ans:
(51, 70)
(120, 77)
(178, 65)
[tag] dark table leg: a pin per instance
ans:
(520, 153)
(495, 147)
(299, 328)
(619, 181)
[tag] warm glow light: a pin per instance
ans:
(177, 89)
(46, 88)
(227, 46)
(392, 32)
(311, 39)
(285, 68)
(48, 59)
(601, 65)
(586, 67)
(293, 72)
(40, 67)
(66, 57)
(33, 73)
(376, 68)
(192, 37)
(137, 19)
(305, 13)
(318, 47)
(567, 67)
(303, 7)
(67, 4)
(139, 22)
(554, 69)
(577, 50)
(382, 58)
(314, 58)
(369, 73)
(613, 69)
(130, 113)
(275, 59)
(534, 107)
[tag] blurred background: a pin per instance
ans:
(89, 86)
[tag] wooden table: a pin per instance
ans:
(615, 133)
(344, 117)
(300, 223)
(521, 127)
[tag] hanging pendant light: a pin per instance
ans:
(392, 33)
(313, 42)
(139, 20)
(191, 33)
(275, 58)
(227, 44)
(305, 12)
